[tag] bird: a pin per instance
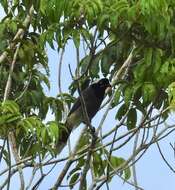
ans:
(93, 97)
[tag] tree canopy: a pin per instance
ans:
(131, 42)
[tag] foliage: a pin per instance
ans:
(108, 29)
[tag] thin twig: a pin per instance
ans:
(86, 166)
(2, 149)
(32, 177)
(164, 159)
(68, 164)
(134, 166)
(19, 34)
(9, 174)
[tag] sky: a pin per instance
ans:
(152, 172)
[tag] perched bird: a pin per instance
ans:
(93, 97)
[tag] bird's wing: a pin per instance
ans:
(76, 105)
(91, 101)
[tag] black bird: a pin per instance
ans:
(93, 97)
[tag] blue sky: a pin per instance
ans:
(152, 173)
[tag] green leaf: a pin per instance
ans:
(9, 118)
(86, 33)
(73, 180)
(13, 118)
(53, 130)
(81, 162)
(131, 118)
(149, 92)
(128, 93)
(95, 67)
(116, 162)
(10, 106)
(4, 4)
(66, 97)
(148, 56)
(76, 38)
(6, 157)
(44, 136)
(73, 171)
(127, 173)
(56, 105)
(116, 98)
(30, 124)
(43, 6)
(103, 19)
(121, 112)
(98, 164)
(140, 107)
(139, 71)
(171, 94)
(132, 12)
(157, 60)
(84, 141)
(105, 65)
(165, 67)
(84, 63)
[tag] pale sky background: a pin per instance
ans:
(152, 172)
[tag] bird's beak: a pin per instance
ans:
(108, 89)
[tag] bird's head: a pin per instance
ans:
(104, 85)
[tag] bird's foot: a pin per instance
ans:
(93, 129)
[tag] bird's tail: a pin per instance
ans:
(63, 137)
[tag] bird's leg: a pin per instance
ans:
(91, 129)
